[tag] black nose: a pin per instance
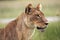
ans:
(46, 23)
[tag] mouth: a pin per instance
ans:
(41, 29)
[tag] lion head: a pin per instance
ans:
(35, 17)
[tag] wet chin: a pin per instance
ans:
(42, 30)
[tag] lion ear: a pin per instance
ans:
(39, 7)
(28, 8)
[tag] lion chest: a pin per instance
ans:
(28, 33)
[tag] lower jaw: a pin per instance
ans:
(42, 30)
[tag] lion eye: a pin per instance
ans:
(37, 15)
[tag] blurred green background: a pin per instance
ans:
(51, 8)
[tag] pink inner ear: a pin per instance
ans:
(39, 6)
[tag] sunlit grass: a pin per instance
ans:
(51, 11)
(14, 12)
(10, 12)
(2, 25)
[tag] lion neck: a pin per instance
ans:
(23, 27)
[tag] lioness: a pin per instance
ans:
(23, 27)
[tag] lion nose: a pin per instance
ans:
(46, 23)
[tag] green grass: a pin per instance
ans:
(2, 25)
(9, 12)
(14, 12)
(51, 33)
(51, 10)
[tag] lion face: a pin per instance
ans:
(36, 18)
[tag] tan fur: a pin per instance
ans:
(23, 26)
